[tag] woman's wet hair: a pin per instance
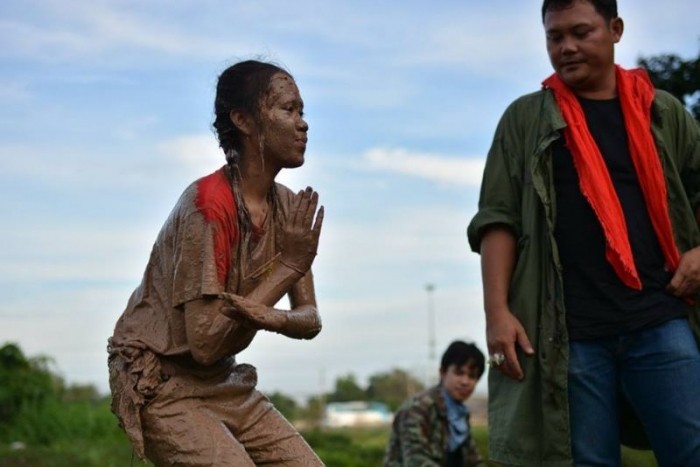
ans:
(240, 87)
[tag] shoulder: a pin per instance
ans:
(213, 198)
(666, 99)
(529, 116)
(671, 117)
(421, 402)
(213, 191)
(666, 103)
(529, 103)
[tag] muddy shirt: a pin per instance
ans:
(200, 251)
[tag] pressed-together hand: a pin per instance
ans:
(258, 316)
(503, 331)
(686, 279)
(299, 240)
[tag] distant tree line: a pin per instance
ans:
(44, 421)
(680, 77)
(391, 387)
(31, 391)
(28, 386)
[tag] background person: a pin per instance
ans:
(235, 243)
(432, 428)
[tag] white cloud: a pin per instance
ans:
(74, 31)
(442, 169)
(74, 252)
(193, 152)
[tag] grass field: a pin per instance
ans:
(358, 447)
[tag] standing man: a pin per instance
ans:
(431, 429)
(588, 235)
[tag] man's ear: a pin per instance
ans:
(617, 27)
(242, 121)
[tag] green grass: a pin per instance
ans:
(87, 435)
(349, 447)
(364, 447)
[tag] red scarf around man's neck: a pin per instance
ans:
(636, 94)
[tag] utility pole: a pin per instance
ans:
(429, 288)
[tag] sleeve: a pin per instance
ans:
(411, 427)
(195, 267)
(689, 151)
(501, 186)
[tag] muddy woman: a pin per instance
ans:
(235, 243)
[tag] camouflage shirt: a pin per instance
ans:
(420, 434)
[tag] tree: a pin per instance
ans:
(677, 76)
(285, 404)
(313, 412)
(81, 393)
(393, 387)
(346, 389)
(24, 381)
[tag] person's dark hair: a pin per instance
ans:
(460, 353)
(606, 8)
(241, 87)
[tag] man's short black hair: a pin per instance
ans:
(460, 353)
(606, 8)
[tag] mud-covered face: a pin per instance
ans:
(460, 381)
(581, 47)
(283, 130)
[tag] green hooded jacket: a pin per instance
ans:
(529, 420)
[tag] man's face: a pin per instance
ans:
(580, 44)
(459, 381)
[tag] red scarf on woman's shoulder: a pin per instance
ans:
(636, 93)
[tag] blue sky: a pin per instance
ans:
(105, 114)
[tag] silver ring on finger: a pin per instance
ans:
(496, 359)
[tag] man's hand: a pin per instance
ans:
(299, 240)
(503, 331)
(686, 280)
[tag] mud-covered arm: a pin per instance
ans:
(219, 325)
(302, 321)
(210, 334)
(297, 243)
(213, 334)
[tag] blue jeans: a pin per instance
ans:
(658, 370)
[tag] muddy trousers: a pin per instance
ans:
(245, 430)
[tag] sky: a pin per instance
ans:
(105, 117)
